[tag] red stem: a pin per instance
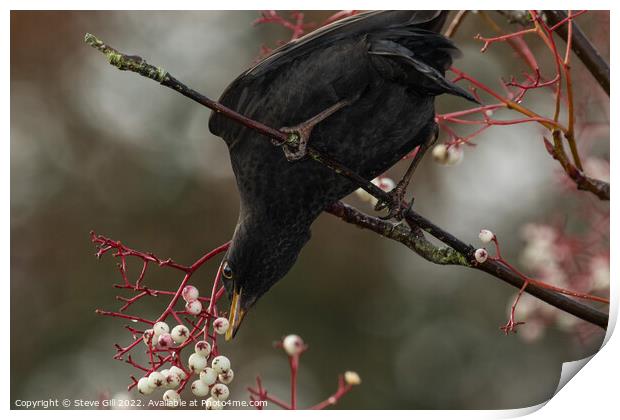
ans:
(335, 397)
(294, 364)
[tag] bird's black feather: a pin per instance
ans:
(390, 64)
(423, 71)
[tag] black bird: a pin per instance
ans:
(360, 91)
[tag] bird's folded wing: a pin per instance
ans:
(357, 24)
(423, 69)
(403, 46)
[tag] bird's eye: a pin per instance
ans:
(227, 271)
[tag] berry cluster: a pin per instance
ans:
(167, 368)
(162, 338)
(207, 372)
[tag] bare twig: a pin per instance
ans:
(456, 22)
(595, 186)
(574, 170)
(583, 48)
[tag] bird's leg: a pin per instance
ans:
(295, 146)
(396, 204)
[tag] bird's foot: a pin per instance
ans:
(296, 144)
(396, 204)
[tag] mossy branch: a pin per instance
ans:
(127, 62)
(413, 238)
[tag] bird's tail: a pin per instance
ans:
(418, 56)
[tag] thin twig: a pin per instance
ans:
(562, 65)
(456, 23)
(582, 47)
(583, 182)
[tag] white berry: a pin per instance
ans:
(220, 364)
(172, 397)
(161, 328)
(208, 376)
(156, 379)
(172, 379)
(194, 307)
(213, 404)
(385, 183)
(220, 392)
(178, 371)
(440, 153)
(455, 155)
(221, 325)
(293, 344)
(203, 348)
(352, 378)
(189, 293)
(144, 387)
(179, 334)
(197, 362)
(486, 236)
(226, 377)
(481, 255)
(200, 389)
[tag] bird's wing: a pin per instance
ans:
(416, 57)
(357, 24)
(387, 41)
(237, 94)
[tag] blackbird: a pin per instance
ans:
(360, 91)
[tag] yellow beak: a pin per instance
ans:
(235, 316)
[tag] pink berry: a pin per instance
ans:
(481, 255)
(165, 341)
(189, 293)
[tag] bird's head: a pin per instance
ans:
(259, 256)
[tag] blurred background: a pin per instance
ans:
(93, 148)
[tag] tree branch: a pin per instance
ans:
(460, 254)
(399, 232)
(583, 182)
(583, 48)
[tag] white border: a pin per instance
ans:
(592, 394)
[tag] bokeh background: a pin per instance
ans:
(94, 148)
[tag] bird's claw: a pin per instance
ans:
(294, 146)
(396, 205)
(296, 143)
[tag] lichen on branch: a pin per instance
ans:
(127, 62)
